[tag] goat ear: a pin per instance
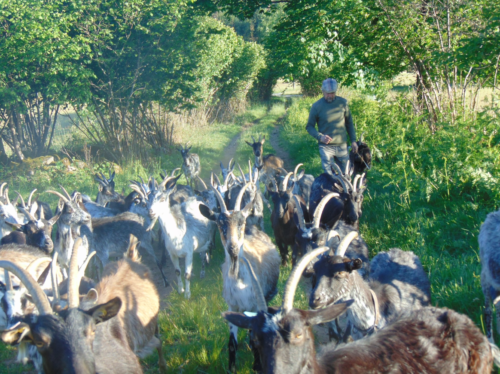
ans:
(103, 312)
(112, 176)
(207, 212)
(263, 140)
(54, 219)
(250, 144)
(17, 334)
(327, 314)
(17, 226)
(239, 319)
(91, 296)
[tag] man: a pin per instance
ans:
(333, 117)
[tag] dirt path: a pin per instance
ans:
(279, 151)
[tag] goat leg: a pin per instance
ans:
(175, 261)
(161, 360)
(203, 256)
(488, 291)
(283, 248)
(187, 275)
(232, 347)
(257, 365)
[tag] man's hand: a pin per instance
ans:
(325, 139)
(354, 146)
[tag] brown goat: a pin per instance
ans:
(132, 282)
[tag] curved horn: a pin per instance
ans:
(35, 264)
(229, 164)
(237, 204)
(6, 195)
(1, 188)
(284, 186)
(295, 172)
(354, 183)
(65, 199)
(202, 183)
(300, 213)
(293, 280)
(74, 276)
(222, 204)
(242, 173)
(257, 290)
(39, 297)
(344, 244)
(81, 271)
(66, 192)
(53, 277)
(172, 174)
(332, 234)
(22, 200)
(31, 196)
(137, 189)
(361, 181)
(8, 281)
(253, 139)
(321, 206)
(250, 176)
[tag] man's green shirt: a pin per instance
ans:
(333, 119)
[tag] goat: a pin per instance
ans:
(35, 207)
(251, 262)
(269, 161)
(8, 212)
(313, 235)
(489, 252)
(107, 191)
(132, 282)
(302, 184)
(428, 340)
(191, 166)
(282, 222)
(73, 341)
(185, 230)
(362, 159)
(397, 283)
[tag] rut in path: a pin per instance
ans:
(278, 150)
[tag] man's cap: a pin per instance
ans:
(329, 85)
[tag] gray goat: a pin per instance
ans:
(429, 340)
(191, 166)
(107, 191)
(252, 262)
(8, 212)
(489, 252)
(397, 283)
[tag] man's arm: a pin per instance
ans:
(311, 125)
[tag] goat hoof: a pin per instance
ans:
(202, 274)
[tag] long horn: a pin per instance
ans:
(8, 281)
(300, 213)
(39, 298)
(202, 183)
(229, 164)
(332, 234)
(356, 178)
(250, 176)
(22, 200)
(172, 174)
(344, 244)
(242, 173)
(253, 139)
(81, 271)
(237, 205)
(257, 290)
(222, 204)
(294, 278)
(65, 199)
(361, 181)
(66, 192)
(137, 189)
(30, 196)
(295, 172)
(6, 195)
(35, 264)
(321, 206)
(284, 186)
(1, 188)
(53, 277)
(74, 276)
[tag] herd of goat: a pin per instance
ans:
(84, 302)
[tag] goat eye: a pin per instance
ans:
(39, 344)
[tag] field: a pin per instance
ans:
(427, 193)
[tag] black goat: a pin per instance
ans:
(429, 340)
(107, 191)
(282, 221)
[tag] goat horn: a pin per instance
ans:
(22, 200)
(294, 278)
(229, 165)
(300, 213)
(253, 139)
(66, 192)
(321, 206)
(8, 281)
(344, 244)
(257, 290)
(53, 277)
(35, 264)
(361, 181)
(223, 207)
(242, 173)
(137, 189)
(361, 137)
(202, 182)
(39, 298)
(65, 199)
(81, 271)
(332, 234)
(30, 196)
(250, 176)
(295, 172)
(285, 181)
(354, 183)
(7, 195)
(174, 171)
(74, 276)
(237, 204)
(226, 183)
(217, 180)
(1, 188)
